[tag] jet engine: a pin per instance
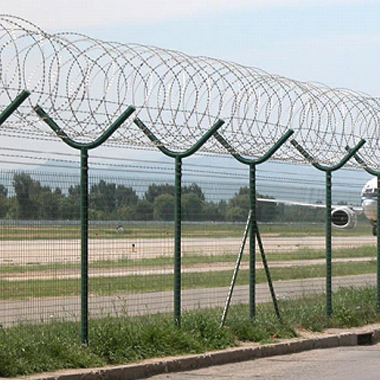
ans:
(343, 218)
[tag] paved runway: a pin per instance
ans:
(68, 308)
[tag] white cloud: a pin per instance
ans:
(76, 14)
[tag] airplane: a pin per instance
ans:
(345, 217)
(369, 202)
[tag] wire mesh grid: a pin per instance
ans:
(131, 240)
(40, 254)
(84, 84)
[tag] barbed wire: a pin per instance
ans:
(84, 84)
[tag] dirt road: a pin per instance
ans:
(23, 252)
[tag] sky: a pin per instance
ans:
(334, 42)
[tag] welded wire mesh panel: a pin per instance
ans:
(210, 244)
(291, 223)
(295, 245)
(131, 237)
(40, 247)
(130, 245)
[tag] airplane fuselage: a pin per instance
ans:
(369, 200)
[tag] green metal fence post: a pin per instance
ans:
(252, 241)
(253, 206)
(84, 148)
(375, 173)
(328, 171)
(328, 244)
(18, 100)
(84, 243)
(177, 240)
(236, 268)
(267, 272)
(178, 156)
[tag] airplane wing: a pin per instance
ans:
(356, 209)
(342, 216)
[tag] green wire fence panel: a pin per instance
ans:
(84, 83)
(84, 199)
(131, 240)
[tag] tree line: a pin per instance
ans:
(111, 201)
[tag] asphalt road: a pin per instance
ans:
(342, 363)
(43, 309)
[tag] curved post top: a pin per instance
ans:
(260, 160)
(324, 168)
(361, 162)
(75, 144)
(171, 153)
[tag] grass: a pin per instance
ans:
(34, 287)
(313, 254)
(156, 282)
(26, 349)
(36, 231)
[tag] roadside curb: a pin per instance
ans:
(232, 355)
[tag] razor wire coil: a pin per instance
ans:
(84, 84)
